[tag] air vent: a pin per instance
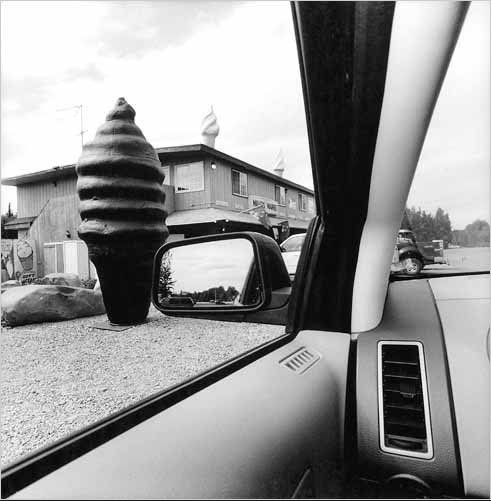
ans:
(404, 416)
(301, 360)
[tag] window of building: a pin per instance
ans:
(189, 177)
(166, 169)
(239, 183)
(292, 203)
(302, 202)
(280, 195)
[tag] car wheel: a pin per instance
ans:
(412, 265)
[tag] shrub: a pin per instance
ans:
(88, 283)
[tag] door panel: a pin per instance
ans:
(70, 254)
(254, 433)
(49, 259)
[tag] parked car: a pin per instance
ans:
(291, 249)
(379, 387)
(414, 256)
(178, 301)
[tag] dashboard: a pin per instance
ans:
(448, 318)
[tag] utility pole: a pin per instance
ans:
(82, 131)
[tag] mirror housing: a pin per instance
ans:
(272, 275)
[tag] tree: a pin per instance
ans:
(166, 283)
(475, 234)
(427, 227)
(8, 216)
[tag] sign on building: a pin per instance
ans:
(19, 259)
(272, 208)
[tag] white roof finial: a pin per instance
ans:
(209, 129)
(279, 164)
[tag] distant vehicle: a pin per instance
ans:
(290, 250)
(179, 301)
(414, 256)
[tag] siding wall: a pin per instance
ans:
(221, 191)
(59, 215)
(31, 198)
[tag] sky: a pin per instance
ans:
(173, 60)
(205, 265)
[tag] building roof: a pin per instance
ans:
(42, 175)
(176, 151)
(20, 223)
(164, 153)
(211, 215)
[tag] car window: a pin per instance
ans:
(293, 243)
(445, 227)
(194, 74)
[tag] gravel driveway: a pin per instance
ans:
(60, 376)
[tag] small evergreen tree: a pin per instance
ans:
(166, 283)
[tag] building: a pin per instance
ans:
(207, 191)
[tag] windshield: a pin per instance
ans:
(445, 227)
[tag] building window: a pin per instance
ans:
(292, 204)
(189, 177)
(166, 170)
(302, 202)
(280, 195)
(239, 183)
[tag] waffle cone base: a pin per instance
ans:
(126, 285)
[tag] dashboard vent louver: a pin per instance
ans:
(404, 416)
(301, 360)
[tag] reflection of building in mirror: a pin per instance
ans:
(210, 273)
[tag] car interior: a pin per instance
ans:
(379, 388)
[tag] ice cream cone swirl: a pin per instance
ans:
(120, 183)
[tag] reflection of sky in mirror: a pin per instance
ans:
(204, 265)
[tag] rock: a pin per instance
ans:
(10, 283)
(29, 304)
(70, 279)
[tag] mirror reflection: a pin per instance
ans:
(210, 274)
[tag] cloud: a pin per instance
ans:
(87, 72)
(24, 94)
(132, 29)
(28, 93)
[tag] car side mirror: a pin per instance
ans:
(221, 275)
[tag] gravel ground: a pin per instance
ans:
(58, 377)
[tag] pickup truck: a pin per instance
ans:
(413, 256)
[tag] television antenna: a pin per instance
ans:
(82, 130)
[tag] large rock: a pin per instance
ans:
(70, 279)
(30, 304)
(10, 283)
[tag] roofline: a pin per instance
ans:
(42, 175)
(67, 170)
(202, 148)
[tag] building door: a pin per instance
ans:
(70, 251)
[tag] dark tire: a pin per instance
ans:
(412, 265)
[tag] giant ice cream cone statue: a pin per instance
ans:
(122, 210)
(209, 129)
